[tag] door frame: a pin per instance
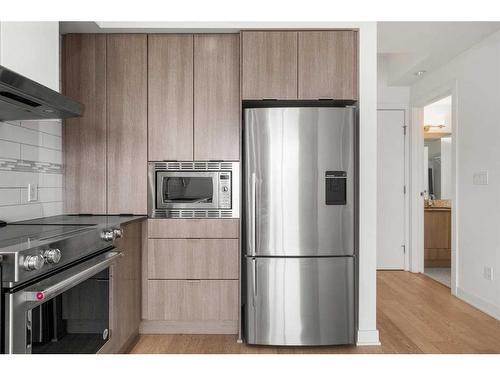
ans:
(416, 213)
(404, 109)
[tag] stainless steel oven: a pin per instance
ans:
(67, 312)
(193, 189)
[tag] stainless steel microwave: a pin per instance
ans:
(193, 189)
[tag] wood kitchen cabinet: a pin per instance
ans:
(126, 80)
(195, 258)
(170, 97)
(191, 276)
(216, 97)
(327, 66)
(125, 314)
(269, 64)
(300, 65)
(84, 79)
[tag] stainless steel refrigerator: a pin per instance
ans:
(300, 213)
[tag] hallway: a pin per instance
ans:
(415, 314)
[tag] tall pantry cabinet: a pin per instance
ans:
(106, 148)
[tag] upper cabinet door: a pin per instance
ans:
(127, 123)
(328, 65)
(216, 97)
(84, 79)
(170, 97)
(269, 63)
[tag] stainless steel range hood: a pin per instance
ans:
(24, 99)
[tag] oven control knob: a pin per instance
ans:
(118, 233)
(108, 235)
(52, 256)
(225, 188)
(33, 262)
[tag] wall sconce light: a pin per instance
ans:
(429, 127)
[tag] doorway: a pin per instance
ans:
(438, 161)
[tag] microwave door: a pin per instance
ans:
(191, 190)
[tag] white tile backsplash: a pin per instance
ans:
(24, 147)
(41, 154)
(13, 133)
(9, 197)
(10, 150)
(53, 127)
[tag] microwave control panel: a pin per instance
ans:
(225, 190)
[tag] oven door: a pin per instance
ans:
(191, 190)
(67, 313)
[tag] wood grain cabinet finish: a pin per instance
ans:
(126, 291)
(84, 138)
(269, 64)
(216, 97)
(127, 124)
(327, 65)
(437, 238)
(170, 97)
(193, 258)
(193, 300)
(193, 228)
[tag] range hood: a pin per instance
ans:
(24, 99)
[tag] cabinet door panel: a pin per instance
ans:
(193, 258)
(269, 60)
(170, 97)
(193, 228)
(125, 291)
(216, 97)
(328, 64)
(127, 124)
(84, 79)
(193, 300)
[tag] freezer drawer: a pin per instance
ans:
(300, 301)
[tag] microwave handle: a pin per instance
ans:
(46, 292)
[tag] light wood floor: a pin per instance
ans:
(415, 314)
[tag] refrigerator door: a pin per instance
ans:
(300, 301)
(299, 181)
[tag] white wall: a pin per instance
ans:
(446, 163)
(368, 333)
(476, 76)
(31, 49)
(389, 97)
(31, 151)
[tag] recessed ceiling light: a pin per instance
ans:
(420, 73)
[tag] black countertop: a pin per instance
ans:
(82, 220)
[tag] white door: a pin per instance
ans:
(390, 189)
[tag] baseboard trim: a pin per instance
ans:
(479, 303)
(368, 338)
(152, 327)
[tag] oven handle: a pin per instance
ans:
(40, 292)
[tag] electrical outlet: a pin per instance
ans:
(32, 192)
(488, 273)
(480, 178)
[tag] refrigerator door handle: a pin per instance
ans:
(254, 279)
(254, 213)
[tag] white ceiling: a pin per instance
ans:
(413, 46)
(188, 27)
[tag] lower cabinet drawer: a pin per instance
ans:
(193, 300)
(193, 259)
(193, 228)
